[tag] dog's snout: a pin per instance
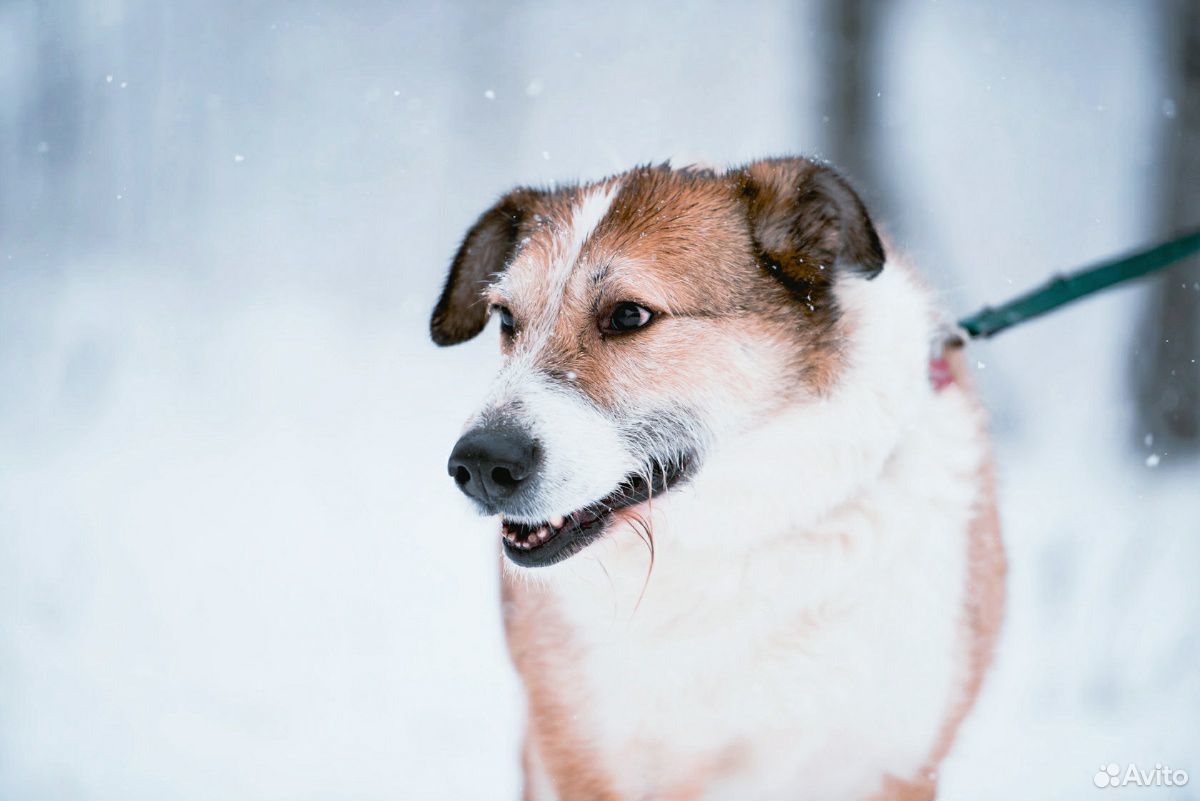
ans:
(492, 464)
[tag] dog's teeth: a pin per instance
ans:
(542, 535)
(557, 521)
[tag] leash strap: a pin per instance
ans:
(1063, 289)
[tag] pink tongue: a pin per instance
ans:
(940, 375)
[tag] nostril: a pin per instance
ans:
(462, 476)
(503, 477)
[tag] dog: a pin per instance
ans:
(749, 539)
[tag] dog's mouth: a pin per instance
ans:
(563, 536)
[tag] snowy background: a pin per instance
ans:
(231, 564)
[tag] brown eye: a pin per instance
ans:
(626, 316)
(507, 325)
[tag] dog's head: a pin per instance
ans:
(643, 319)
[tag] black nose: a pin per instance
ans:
(491, 464)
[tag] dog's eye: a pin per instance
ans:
(507, 326)
(626, 316)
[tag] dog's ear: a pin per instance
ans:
(461, 312)
(808, 224)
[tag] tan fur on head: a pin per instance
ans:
(762, 245)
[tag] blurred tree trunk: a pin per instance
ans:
(850, 70)
(1167, 356)
(51, 136)
(489, 72)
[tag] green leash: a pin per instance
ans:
(1066, 288)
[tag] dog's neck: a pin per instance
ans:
(811, 458)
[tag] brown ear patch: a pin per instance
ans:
(461, 312)
(807, 223)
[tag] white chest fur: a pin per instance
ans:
(809, 664)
